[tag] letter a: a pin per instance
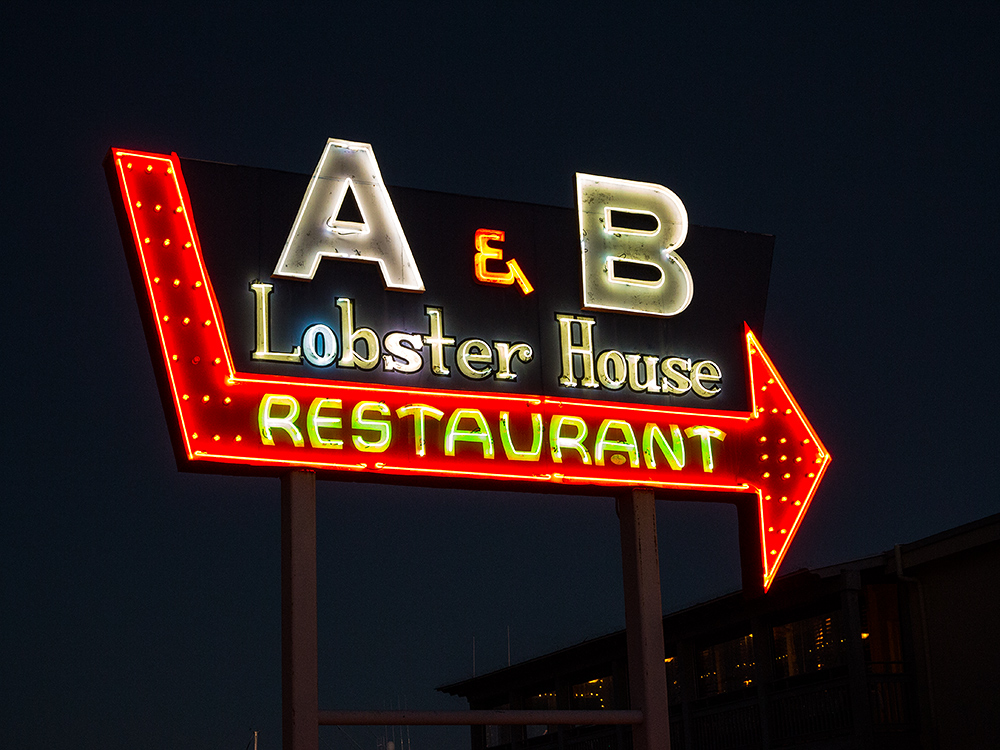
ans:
(319, 233)
(629, 232)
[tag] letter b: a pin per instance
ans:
(628, 234)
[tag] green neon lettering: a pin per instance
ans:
(512, 453)
(359, 421)
(627, 445)
(557, 441)
(481, 434)
(673, 452)
(316, 422)
(706, 434)
(420, 412)
(267, 422)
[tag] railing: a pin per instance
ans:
(795, 715)
(890, 701)
(727, 727)
(572, 738)
(810, 711)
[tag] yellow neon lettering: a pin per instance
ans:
(611, 369)
(674, 381)
(403, 358)
(473, 351)
(437, 341)
(702, 372)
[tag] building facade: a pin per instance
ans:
(893, 651)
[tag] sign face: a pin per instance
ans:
(332, 323)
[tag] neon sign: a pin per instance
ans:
(484, 421)
(318, 231)
(632, 224)
(486, 252)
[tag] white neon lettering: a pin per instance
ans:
(262, 321)
(319, 345)
(610, 249)
(403, 352)
(350, 336)
(318, 233)
(569, 350)
(474, 351)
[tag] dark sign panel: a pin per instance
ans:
(692, 359)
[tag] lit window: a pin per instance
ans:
(724, 667)
(593, 695)
(808, 646)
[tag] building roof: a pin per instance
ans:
(795, 589)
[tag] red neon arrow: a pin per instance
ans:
(784, 460)
(771, 451)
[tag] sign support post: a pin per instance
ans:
(299, 647)
(644, 620)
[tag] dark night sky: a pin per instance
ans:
(140, 606)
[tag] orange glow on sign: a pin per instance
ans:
(270, 423)
(485, 252)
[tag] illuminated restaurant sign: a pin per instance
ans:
(369, 333)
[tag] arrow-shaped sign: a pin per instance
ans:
(265, 424)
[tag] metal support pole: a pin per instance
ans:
(857, 670)
(299, 650)
(644, 620)
(751, 559)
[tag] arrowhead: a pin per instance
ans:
(785, 460)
